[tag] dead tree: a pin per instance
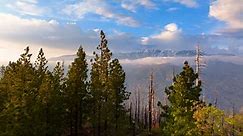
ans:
(199, 65)
(151, 102)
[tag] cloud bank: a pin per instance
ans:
(101, 8)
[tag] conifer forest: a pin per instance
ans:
(91, 99)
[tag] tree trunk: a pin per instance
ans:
(81, 117)
(76, 121)
(99, 120)
(47, 120)
(71, 122)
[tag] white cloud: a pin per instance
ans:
(71, 23)
(172, 9)
(28, 7)
(128, 5)
(96, 30)
(228, 11)
(178, 60)
(147, 3)
(101, 8)
(188, 3)
(30, 1)
(172, 37)
(170, 32)
(147, 61)
(132, 5)
(55, 38)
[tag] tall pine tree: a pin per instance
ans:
(43, 86)
(118, 97)
(183, 96)
(77, 93)
(99, 86)
(19, 109)
(108, 91)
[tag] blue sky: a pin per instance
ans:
(60, 26)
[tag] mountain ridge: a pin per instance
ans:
(146, 53)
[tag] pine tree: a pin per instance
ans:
(119, 94)
(41, 65)
(19, 109)
(56, 117)
(77, 92)
(43, 86)
(58, 76)
(3, 98)
(108, 93)
(183, 96)
(99, 85)
(3, 94)
(51, 103)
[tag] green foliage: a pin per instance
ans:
(183, 96)
(118, 95)
(17, 82)
(31, 98)
(37, 102)
(234, 124)
(209, 121)
(77, 95)
(107, 90)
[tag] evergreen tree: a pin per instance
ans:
(37, 102)
(41, 66)
(2, 70)
(19, 108)
(43, 86)
(44, 104)
(3, 94)
(58, 76)
(77, 92)
(56, 106)
(183, 96)
(50, 110)
(119, 95)
(3, 98)
(99, 85)
(108, 92)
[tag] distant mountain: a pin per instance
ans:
(144, 54)
(157, 53)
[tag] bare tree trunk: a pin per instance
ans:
(145, 118)
(142, 116)
(138, 107)
(130, 114)
(150, 101)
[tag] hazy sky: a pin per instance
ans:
(60, 26)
